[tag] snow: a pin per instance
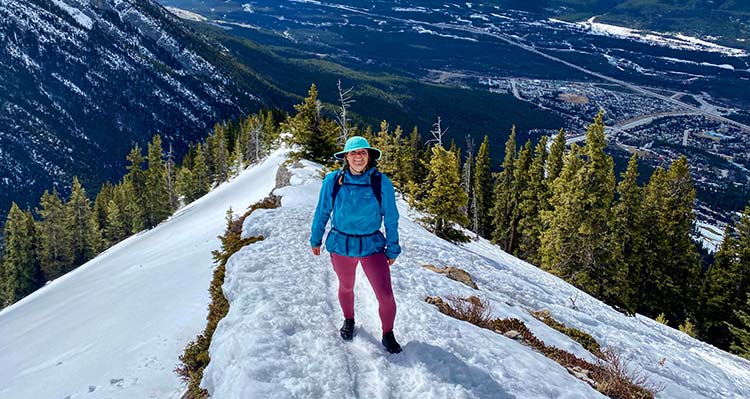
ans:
(677, 40)
(280, 337)
(117, 325)
(79, 16)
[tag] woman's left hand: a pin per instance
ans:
(391, 261)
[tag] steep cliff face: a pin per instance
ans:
(82, 80)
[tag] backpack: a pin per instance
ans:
(376, 178)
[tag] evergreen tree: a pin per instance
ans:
(518, 186)
(157, 207)
(503, 208)
(412, 163)
(220, 154)
(727, 281)
(556, 156)
(483, 190)
(136, 190)
(200, 174)
(85, 235)
(117, 228)
(579, 243)
(530, 206)
(630, 227)
(388, 143)
(670, 270)
(445, 197)
(21, 272)
(315, 135)
(467, 184)
(55, 239)
(100, 205)
(171, 176)
(186, 184)
(741, 333)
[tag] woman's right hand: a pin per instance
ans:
(316, 251)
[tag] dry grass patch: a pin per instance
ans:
(611, 375)
(195, 358)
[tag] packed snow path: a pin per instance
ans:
(114, 327)
(280, 338)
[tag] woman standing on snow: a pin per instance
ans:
(361, 199)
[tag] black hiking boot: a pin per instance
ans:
(347, 330)
(390, 344)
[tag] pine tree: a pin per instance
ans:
(315, 136)
(200, 174)
(55, 239)
(388, 143)
(530, 206)
(445, 197)
(185, 184)
(85, 235)
(579, 243)
(117, 228)
(503, 208)
(136, 189)
(157, 207)
(412, 163)
(518, 187)
(741, 333)
(171, 176)
(630, 229)
(483, 190)
(220, 154)
(467, 184)
(556, 156)
(727, 281)
(669, 273)
(100, 205)
(21, 272)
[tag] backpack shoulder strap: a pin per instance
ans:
(376, 181)
(337, 183)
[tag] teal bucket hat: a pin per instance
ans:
(356, 143)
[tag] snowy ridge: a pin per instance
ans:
(114, 327)
(280, 337)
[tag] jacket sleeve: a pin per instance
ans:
(322, 212)
(390, 219)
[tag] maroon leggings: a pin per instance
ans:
(378, 272)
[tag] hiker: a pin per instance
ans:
(360, 200)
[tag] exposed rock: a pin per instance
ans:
(283, 176)
(513, 334)
(582, 374)
(454, 273)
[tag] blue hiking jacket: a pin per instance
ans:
(357, 217)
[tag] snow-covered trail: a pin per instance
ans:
(280, 338)
(281, 333)
(114, 327)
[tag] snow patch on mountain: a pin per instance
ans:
(79, 16)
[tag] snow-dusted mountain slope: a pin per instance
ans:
(280, 337)
(82, 80)
(114, 327)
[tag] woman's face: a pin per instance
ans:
(358, 160)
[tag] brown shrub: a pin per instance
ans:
(585, 339)
(195, 358)
(611, 376)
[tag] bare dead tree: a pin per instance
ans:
(437, 133)
(345, 100)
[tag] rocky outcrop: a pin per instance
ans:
(454, 273)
